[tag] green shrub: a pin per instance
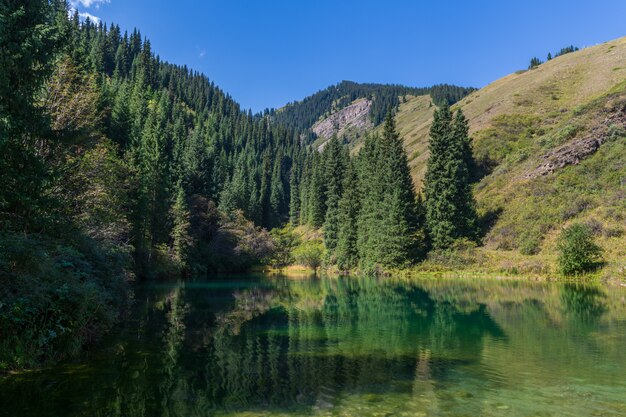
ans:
(615, 131)
(285, 240)
(310, 253)
(56, 298)
(578, 253)
(530, 245)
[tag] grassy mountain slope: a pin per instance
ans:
(552, 142)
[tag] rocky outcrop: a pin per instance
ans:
(574, 152)
(354, 116)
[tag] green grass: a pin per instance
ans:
(514, 122)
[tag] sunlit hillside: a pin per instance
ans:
(551, 142)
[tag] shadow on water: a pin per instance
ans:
(199, 349)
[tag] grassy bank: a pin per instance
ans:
(481, 263)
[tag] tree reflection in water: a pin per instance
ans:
(198, 349)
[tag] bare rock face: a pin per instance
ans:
(574, 152)
(569, 154)
(354, 116)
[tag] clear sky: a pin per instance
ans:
(267, 53)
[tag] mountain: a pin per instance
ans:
(350, 108)
(551, 146)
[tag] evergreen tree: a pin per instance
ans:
(264, 196)
(28, 44)
(371, 213)
(154, 196)
(399, 225)
(304, 189)
(294, 196)
(347, 253)
(534, 63)
(120, 124)
(450, 212)
(335, 160)
(277, 193)
(387, 224)
(466, 222)
(316, 192)
(181, 240)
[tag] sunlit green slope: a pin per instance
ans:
(552, 144)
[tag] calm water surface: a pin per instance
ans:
(347, 347)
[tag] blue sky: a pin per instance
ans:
(267, 53)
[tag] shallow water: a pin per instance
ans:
(347, 347)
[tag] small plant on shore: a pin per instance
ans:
(310, 253)
(578, 253)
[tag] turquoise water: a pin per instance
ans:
(347, 347)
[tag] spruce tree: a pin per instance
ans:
(399, 224)
(28, 44)
(335, 160)
(316, 193)
(197, 165)
(371, 213)
(347, 253)
(387, 221)
(450, 212)
(264, 193)
(277, 193)
(181, 240)
(304, 190)
(294, 196)
(120, 125)
(467, 220)
(154, 196)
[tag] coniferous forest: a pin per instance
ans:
(118, 166)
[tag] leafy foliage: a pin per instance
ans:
(309, 253)
(578, 253)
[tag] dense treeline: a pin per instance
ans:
(114, 162)
(302, 115)
(175, 135)
(366, 204)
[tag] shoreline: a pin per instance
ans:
(302, 272)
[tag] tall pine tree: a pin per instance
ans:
(450, 212)
(347, 253)
(387, 225)
(399, 224)
(335, 159)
